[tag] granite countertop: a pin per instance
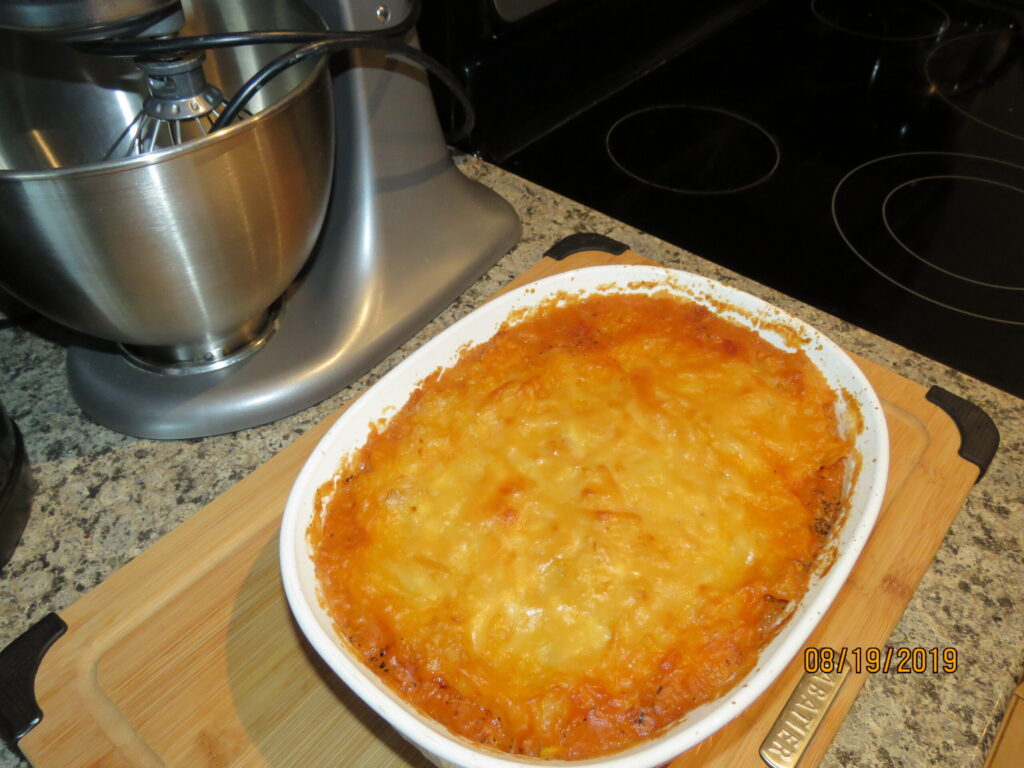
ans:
(102, 498)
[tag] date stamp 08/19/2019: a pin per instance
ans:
(881, 660)
(825, 670)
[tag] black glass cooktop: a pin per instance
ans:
(864, 157)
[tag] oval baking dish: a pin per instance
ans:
(864, 492)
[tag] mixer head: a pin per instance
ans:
(181, 104)
(92, 19)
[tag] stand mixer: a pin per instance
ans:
(223, 277)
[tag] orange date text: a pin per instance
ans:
(874, 660)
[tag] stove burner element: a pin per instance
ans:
(692, 150)
(982, 77)
(936, 225)
(902, 20)
(985, 205)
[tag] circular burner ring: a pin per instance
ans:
(993, 296)
(953, 177)
(749, 155)
(934, 19)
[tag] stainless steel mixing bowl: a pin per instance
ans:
(176, 254)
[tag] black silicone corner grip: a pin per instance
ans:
(979, 436)
(19, 662)
(584, 241)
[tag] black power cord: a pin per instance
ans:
(170, 45)
(326, 47)
(311, 43)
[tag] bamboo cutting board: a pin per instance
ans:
(188, 656)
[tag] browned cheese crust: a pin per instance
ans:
(586, 527)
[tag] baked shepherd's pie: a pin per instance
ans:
(587, 526)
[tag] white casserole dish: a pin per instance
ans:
(864, 494)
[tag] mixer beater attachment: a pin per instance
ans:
(181, 105)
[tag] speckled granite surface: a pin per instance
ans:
(102, 498)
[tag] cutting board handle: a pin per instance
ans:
(585, 241)
(979, 436)
(19, 662)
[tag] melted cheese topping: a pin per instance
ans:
(586, 527)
